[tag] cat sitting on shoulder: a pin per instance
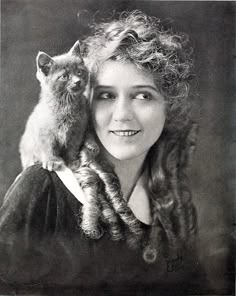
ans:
(56, 128)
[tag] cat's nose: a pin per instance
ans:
(77, 82)
(76, 85)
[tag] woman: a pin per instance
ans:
(121, 219)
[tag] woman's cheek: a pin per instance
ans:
(99, 115)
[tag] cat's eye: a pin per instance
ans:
(80, 72)
(64, 76)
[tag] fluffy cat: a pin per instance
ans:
(56, 128)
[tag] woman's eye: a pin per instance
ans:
(105, 96)
(143, 96)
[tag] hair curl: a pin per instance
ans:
(145, 42)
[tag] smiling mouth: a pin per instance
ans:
(125, 133)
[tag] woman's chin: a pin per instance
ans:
(126, 155)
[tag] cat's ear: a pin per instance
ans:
(75, 50)
(44, 62)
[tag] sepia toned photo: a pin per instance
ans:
(117, 148)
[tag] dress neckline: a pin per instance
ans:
(138, 197)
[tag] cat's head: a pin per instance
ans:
(62, 75)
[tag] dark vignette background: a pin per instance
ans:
(52, 26)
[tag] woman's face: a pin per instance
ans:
(128, 110)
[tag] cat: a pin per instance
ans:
(56, 128)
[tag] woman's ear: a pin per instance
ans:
(44, 62)
(75, 50)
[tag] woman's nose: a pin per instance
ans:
(122, 110)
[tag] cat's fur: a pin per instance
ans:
(55, 130)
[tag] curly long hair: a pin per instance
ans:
(147, 43)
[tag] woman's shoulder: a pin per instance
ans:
(35, 188)
(33, 200)
(30, 188)
(34, 173)
(37, 177)
(32, 179)
(36, 185)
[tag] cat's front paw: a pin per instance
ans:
(54, 165)
(74, 165)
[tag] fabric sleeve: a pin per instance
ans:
(25, 228)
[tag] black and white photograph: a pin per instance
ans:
(118, 148)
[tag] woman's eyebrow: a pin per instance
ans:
(103, 86)
(146, 86)
(135, 87)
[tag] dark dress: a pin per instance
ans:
(42, 246)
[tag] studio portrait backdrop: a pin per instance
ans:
(53, 26)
